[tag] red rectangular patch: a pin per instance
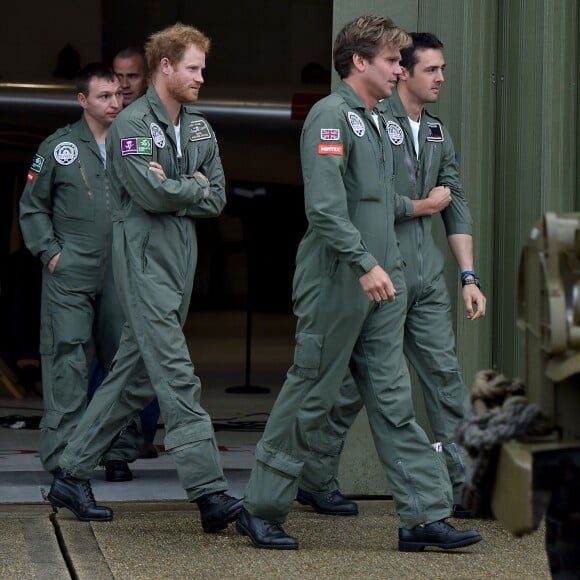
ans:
(31, 176)
(328, 149)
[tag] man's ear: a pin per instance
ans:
(358, 61)
(404, 74)
(165, 65)
(82, 100)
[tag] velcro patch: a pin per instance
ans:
(198, 130)
(137, 146)
(37, 163)
(330, 134)
(66, 153)
(327, 149)
(434, 132)
(356, 123)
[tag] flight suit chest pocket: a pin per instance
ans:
(191, 160)
(166, 158)
(307, 354)
(77, 190)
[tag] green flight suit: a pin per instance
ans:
(66, 208)
(347, 171)
(154, 260)
(429, 342)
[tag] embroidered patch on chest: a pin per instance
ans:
(326, 149)
(157, 135)
(395, 133)
(434, 132)
(66, 153)
(136, 146)
(198, 130)
(356, 123)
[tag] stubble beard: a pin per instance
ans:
(181, 93)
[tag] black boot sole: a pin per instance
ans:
(57, 503)
(420, 546)
(117, 478)
(326, 512)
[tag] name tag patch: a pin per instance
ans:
(434, 132)
(198, 130)
(137, 146)
(326, 149)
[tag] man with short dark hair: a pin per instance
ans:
(65, 217)
(130, 67)
(165, 173)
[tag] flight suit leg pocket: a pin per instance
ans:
(308, 354)
(51, 420)
(46, 336)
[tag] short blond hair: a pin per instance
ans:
(172, 42)
(366, 36)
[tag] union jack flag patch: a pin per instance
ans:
(330, 134)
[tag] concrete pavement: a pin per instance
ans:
(164, 540)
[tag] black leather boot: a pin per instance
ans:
(461, 512)
(331, 503)
(218, 510)
(77, 496)
(438, 534)
(117, 470)
(264, 533)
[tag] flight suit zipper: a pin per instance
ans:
(382, 169)
(457, 457)
(419, 222)
(413, 168)
(107, 252)
(419, 231)
(85, 178)
(410, 487)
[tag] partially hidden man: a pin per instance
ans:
(65, 218)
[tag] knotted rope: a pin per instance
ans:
(500, 413)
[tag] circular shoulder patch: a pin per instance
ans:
(395, 133)
(157, 134)
(356, 123)
(66, 153)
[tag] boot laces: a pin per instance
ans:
(88, 490)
